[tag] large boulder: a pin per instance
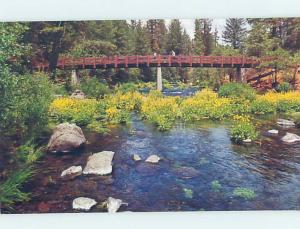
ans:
(65, 138)
(99, 163)
(290, 138)
(77, 94)
(83, 203)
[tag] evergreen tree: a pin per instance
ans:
(174, 40)
(235, 32)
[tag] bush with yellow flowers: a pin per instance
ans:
(120, 105)
(160, 110)
(243, 129)
(205, 104)
(274, 101)
(79, 111)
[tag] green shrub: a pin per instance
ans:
(243, 129)
(10, 190)
(237, 90)
(28, 153)
(260, 106)
(92, 88)
(127, 87)
(284, 87)
(24, 103)
(245, 193)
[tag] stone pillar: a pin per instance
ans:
(75, 77)
(240, 75)
(159, 79)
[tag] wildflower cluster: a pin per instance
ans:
(160, 110)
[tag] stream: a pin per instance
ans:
(271, 168)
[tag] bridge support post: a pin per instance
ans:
(75, 77)
(159, 79)
(240, 75)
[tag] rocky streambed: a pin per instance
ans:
(192, 167)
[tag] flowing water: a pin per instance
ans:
(193, 156)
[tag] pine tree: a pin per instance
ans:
(203, 37)
(235, 32)
(174, 40)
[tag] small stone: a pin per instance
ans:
(273, 131)
(77, 94)
(248, 140)
(136, 157)
(113, 204)
(83, 203)
(290, 138)
(99, 163)
(73, 170)
(153, 159)
(285, 123)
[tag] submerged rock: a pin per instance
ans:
(273, 131)
(72, 171)
(77, 94)
(186, 172)
(290, 138)
(285, 123)
(153, 159)
(83, 203)
(99, 163)
(136, 157)
(113, 204)
(65, 138)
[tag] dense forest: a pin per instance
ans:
(47, 41)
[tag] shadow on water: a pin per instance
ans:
(193, 155)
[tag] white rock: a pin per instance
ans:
(99, 163)
(290, 138)
(73, 170)
(285, 123)
(83, 203)
(113, 204)
(273, 131)
(153, 159)
(248, 140)
(136, 157)
(77, 94)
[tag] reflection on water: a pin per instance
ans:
(192, 157)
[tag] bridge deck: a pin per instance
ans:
(152, 61)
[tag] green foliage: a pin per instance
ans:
(92, 88)
(127, 87)
(20, 110)
(188, 193)
(216, 186)
(245, 193)
(92, 48)
(284, 87)
(260, 106)
(10, 190)
(28, 153)
(243, 129)
(235, 32)
(237, 90)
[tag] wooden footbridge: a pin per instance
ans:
(158, 61)
(152, 61)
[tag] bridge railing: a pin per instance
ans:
(151, 60)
